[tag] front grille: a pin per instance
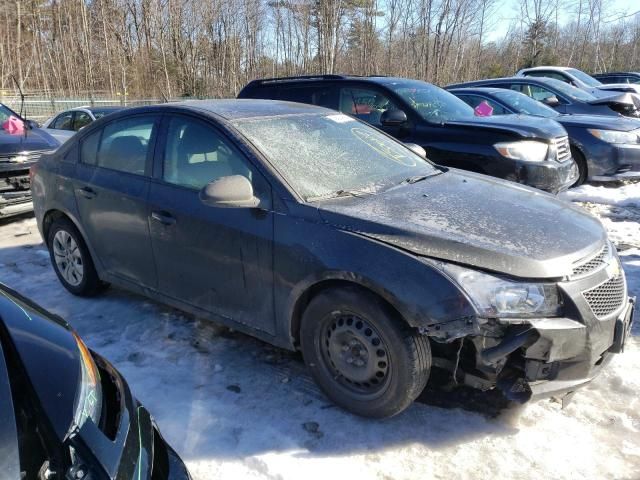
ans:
(607, 297)
(592, 264)
(24, 157)
(562, 148)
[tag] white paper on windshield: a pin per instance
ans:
(340, 118)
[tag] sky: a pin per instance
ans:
(508, 10)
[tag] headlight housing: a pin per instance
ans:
(614, 136)
(88, 404)
(494, 296)
(525, 150)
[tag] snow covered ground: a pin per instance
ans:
(236, 408)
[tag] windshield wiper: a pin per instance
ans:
(418, 178)
(340, 193)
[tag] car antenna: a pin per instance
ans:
(23, 117)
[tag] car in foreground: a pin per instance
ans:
(604, 148)
(525, 150)
(632, 78)
(65, 124)
(66, 412)
(580, 79)
(314, 231)
(561, 96)
(18, 151)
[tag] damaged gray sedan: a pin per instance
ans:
(314, 231)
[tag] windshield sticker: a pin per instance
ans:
(384, 146)
(339, 118)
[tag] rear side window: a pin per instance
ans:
(89, 148)
(367, 105)
(125, 144)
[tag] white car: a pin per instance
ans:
(65, 124)
(579, 79)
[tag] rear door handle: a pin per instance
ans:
(163, 217)
(86, 192)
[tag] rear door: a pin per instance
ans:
(111, 189)
(216, 259)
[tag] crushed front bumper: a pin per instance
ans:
(617, 162)
(550, 176)
(15, 193)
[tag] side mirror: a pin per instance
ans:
(32, 124)
(551, 101)
(417, 149)
(393, 118)
(232, 191)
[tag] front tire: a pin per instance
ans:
(71, 259)
(582, 166)
(362, 355)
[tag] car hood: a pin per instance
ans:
(629, 99)
(49, 354)
(32, 140)
(474, 220)
(621, 124)
(524, 125)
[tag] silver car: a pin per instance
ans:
(65, 124)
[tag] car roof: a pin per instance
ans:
(488, 81)
(477, 89)
(236, 109)
(548, 67)
(378, 79)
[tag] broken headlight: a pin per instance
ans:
(494, 296)
(88, 403)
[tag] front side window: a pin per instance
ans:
(195, 154)
(546, 74)
(125, 144)
(365, 104)
(63, 122)
(331, 154)
(82, 120)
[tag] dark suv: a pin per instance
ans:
(527, 150)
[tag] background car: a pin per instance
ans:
(605, 148)
(65, 124)
(561, 96)
(66, 412)
(526, 150)
(579, 79)
(18, 151)
(311, 230)
(618, 77)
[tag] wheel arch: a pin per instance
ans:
(311, 289)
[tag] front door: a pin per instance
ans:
(111, 188)
(216, 259)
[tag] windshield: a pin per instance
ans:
(432, 103)
(569, 91)
(524, 104)
(5, 113)
(584, 78)
(321, 155)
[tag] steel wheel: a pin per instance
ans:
(68, 258)
(355, 354)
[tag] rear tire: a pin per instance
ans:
(362, 355)
(71, 259)
(578, 157)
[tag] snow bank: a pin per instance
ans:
(622, 196)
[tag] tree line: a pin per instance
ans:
(174, 48)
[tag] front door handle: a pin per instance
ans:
(87, 192)
(163, 217)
